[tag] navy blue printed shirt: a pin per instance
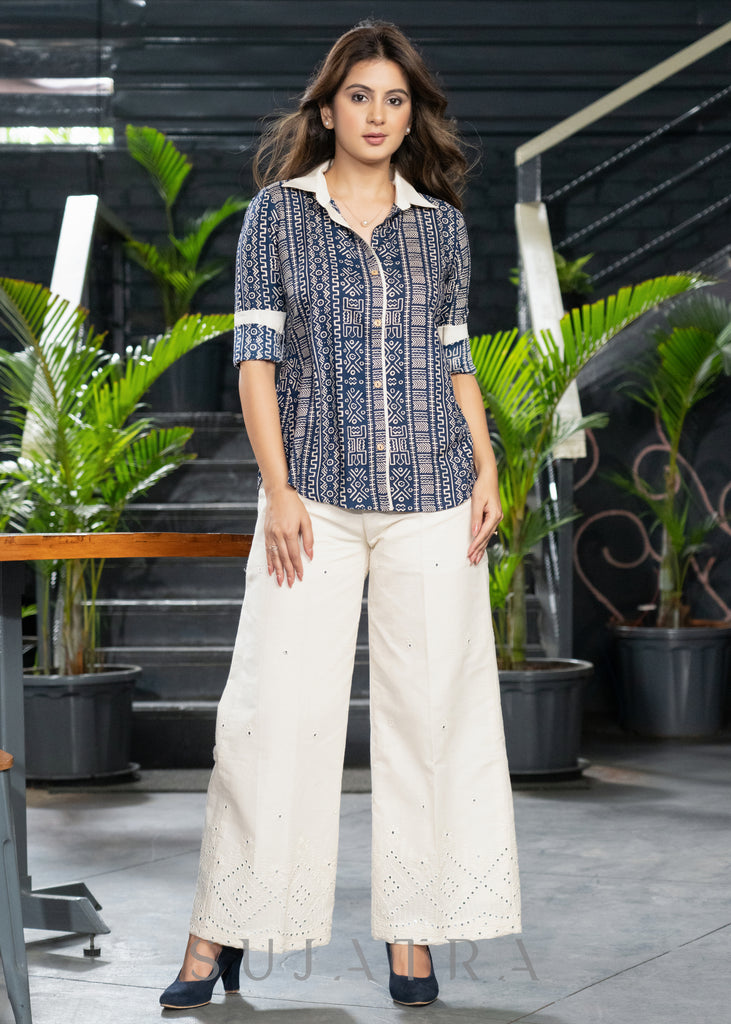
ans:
(366, 338)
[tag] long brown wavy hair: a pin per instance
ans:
(430, 157)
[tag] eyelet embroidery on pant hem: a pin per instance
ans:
(447, 898)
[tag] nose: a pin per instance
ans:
(375, 114)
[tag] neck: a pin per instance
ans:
(347, 177)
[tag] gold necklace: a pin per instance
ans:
(365, 223)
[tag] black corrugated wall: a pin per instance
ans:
(207, 72)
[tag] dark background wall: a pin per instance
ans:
(207, 71)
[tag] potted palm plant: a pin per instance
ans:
(523, 380)
(673, 670)
(176, 264)
(80, 449)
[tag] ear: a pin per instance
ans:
(327, 116)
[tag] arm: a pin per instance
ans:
(486, 508)
(452, 323)
(260, 315)
(286, 516)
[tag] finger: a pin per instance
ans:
(479, 526)
(286, 563)
(478, 549)
(480, 542)
(295, 557)
(274, 560)
(308, 537)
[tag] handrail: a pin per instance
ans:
(39, 547)
(618, 97)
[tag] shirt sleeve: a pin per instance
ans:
(259, 308)
(452, 318)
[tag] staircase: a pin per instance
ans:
(177, 617)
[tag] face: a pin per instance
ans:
(370, 112)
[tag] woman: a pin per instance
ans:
(360, 402)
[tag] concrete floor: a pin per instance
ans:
(627, 915)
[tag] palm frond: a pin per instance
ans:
(587, 329)
(159, 261)
(119, 397)
(146, 461)
(167, 166)
(199, 230)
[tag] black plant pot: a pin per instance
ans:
(542, 715)
(672, 682)
(79, 727)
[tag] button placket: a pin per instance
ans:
(381, 384)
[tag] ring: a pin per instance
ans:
(273, 547)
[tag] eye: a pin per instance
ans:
(357, 97)
(396, 101)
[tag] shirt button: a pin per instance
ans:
(374, 273)
(376, 383)
(380, 446)
(376, 323)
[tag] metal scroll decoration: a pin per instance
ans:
(701, 565)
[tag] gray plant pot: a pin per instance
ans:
(542, 715)
(79, 727)
(672, 682)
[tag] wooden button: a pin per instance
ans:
(376, 323)
(380, 446)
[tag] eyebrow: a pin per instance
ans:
(367, 88)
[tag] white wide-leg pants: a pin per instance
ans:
(444, 862)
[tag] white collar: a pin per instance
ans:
(315, 181)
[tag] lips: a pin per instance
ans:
(374, 137)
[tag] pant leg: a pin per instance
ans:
(444, 855)
(269, 848)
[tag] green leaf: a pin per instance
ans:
(167, 166)
(200, 230)
(523, 380)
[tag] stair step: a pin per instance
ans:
(210, 479)
(197, 672)
(173, 577)
(209, 621)
(219, 435)
(181, 734)
(147, 621)
(192, 517)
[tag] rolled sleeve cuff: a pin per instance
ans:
(456, 342)
(258, 334)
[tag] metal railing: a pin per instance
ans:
(540, 304)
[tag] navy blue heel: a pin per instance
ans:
(412, 991)
(185, 995)
(230, 974)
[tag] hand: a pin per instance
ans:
(285, 519)
(486, 514)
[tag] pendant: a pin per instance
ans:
(364, 223)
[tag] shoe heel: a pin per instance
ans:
(412, 991)
(186, 995)
(230, 976)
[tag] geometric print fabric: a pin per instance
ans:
(366, 337)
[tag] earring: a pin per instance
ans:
(408, 131)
